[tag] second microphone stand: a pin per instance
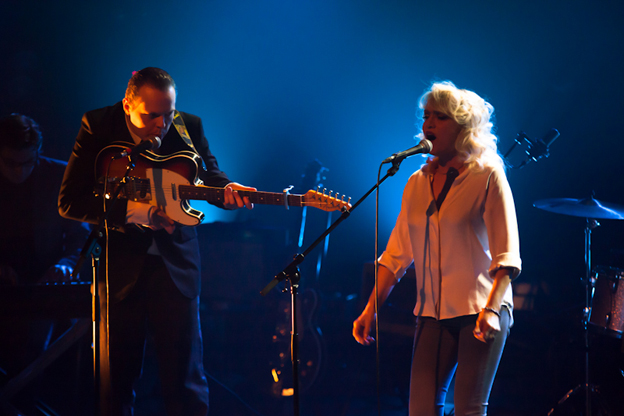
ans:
(293, 275)
(92, 248)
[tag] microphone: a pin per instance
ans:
(152, 143)
(539, 147)
(424, 146)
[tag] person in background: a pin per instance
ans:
(458, 226)
(37, 245)
(151, 269)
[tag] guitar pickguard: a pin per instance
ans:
(165, 195)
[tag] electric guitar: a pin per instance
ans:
(169, 182)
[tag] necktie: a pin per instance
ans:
(450, 177)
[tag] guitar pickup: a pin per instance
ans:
(138, 189)
(135, 189)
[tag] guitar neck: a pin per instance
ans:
(216, 195)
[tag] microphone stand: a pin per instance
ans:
(293, 275)
(92, 248)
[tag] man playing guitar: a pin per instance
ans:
(150, 276)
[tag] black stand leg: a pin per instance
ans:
(93, 249)
(292, 274)
(586, 388)
(95, 321)
(294, 341)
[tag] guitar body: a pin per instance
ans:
(154, 179)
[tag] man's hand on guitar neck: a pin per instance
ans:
(232, 199)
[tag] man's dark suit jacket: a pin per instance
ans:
(128, 246)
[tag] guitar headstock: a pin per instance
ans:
(326, 202)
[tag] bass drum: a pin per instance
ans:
(607, 313)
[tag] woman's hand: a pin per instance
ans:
(488, 321)
(487, 326)
(362, 327)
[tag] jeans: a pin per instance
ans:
(446, 347)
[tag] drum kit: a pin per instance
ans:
(604, 289)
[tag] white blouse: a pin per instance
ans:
(456, 251)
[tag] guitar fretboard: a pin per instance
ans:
(216, 195)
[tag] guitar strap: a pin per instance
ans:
(178, 123)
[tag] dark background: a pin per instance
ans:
(281, 83)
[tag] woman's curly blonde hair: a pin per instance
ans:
(476, 144)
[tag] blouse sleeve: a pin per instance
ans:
(502, 226)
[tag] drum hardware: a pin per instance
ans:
(592, 210)
(607, 313)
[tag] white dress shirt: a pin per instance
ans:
(456, 251)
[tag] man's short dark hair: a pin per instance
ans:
(155, 77)
(19, 132)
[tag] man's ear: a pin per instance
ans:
(126, 106)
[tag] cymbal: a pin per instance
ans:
(586, 208)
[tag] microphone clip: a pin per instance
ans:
(152, 143)
(535, 149)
